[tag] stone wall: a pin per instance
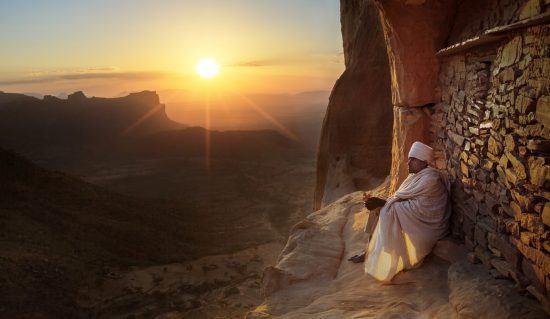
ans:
(491, 130)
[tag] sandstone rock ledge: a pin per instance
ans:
(312, 278)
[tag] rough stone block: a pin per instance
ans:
(546, 214)
(525, 104)
(539, 172)
(507, 75)
(494, 146)
(487, 165)
(537, 130)
(516, 208)
(510, 143)
(537, 257)
(511, 52)
(524, 201)
(473, 160)
(503, 161)
(532, 223)
(519, 168)
(530, 9)
(509, 252)
(543, 110)
(511, 176)
(512, 227)
(532, 239)
(457, 139)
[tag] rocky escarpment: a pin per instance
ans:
(29, 122)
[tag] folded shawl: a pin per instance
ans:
(410, 224)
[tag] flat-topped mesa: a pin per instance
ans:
(143, 97)
(77, 96)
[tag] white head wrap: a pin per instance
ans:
(421, 151)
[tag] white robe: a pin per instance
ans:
(410, 224)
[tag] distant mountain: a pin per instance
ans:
(61, 133)
(28, 121)
(57, 232)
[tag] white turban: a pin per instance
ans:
(421, 151)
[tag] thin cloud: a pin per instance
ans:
(256, 63)
(84, 76)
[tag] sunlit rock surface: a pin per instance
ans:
(313, 279)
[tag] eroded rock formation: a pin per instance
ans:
(355, 147)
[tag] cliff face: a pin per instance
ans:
(469, 78)
(355, 147)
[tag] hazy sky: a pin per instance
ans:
(109, 47)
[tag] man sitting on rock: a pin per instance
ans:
(411, 221)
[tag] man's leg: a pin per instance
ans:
(370, 225)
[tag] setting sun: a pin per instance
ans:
(207, 68)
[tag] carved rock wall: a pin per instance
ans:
(414, 70)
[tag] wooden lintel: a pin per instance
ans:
(470, 43)
(493, 35)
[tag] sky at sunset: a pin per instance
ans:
(108, 48)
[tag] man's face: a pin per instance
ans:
(416, 165)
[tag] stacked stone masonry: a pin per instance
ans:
(491, 131)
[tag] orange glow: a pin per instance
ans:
(207, 68)
(207, 133)
(285, 131)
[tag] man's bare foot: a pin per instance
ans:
(359, 258)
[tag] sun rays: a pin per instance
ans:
(248, 102)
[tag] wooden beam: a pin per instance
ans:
(493, 35)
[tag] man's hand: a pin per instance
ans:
(372, 202)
